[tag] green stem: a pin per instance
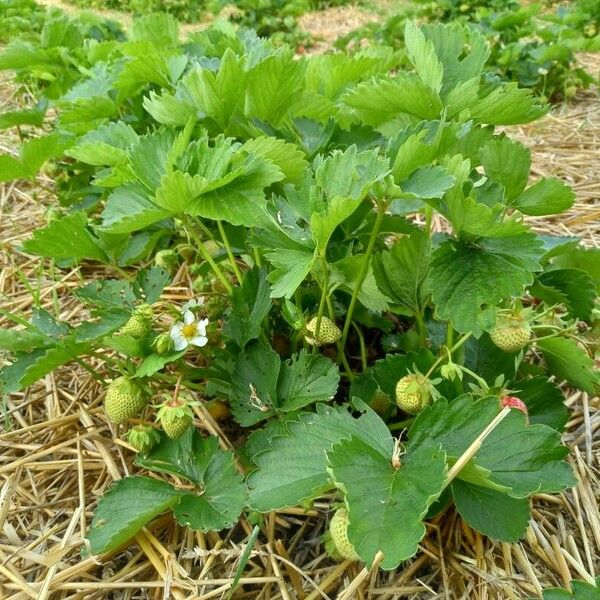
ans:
(341, 353)
(482, 382)
(206, 256)
(364, 268)
(440, 359)
(401, 424)
(227, 245)
(322, 301)
(363, 347)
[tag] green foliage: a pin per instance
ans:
(216, 503)
(285, 189)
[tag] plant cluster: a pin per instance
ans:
(359, 350)
(528, 45)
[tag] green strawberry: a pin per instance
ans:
(143, 438)
(175, 416)
(413, 393)
(338, 529)
(211, 247)
(380, 402)
(511, 334)
(329, 332)
(167, 259)
(139, 324)
(124, 400)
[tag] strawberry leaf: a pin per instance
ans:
(468, 279)
(66, 238)
(386, 505)
(221, 491)
(251, 303)
(263, 385)
(498, 515)
(573, 288)
(545, 197)
(294, 467)
(127, 506)
(568, 362)
(545, 401)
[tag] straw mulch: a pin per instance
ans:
(58, 454)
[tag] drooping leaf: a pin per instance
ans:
(568, 362)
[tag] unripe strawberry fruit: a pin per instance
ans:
(143, 438)
(329, 332)
(380, 402)
(137, 327)
(413, 393)
(124, 400)
(338, 529)
(175, 417)
(511, 334)
(514, 402)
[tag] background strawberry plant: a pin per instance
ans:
(366, 298)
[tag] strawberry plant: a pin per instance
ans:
(358, 349)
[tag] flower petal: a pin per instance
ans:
(180, 344)
(188, 317)
(199, 340)
(176, 331)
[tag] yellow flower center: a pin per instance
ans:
(189, 331)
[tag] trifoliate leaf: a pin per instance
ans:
(294, 468)
(127, 506)
(250, 304)
(66, 238)
(545, 197)
(568, 362)
(386, 505)
(525, 458)
(221, 491)
(468, 280)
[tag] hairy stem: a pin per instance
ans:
(227, 245)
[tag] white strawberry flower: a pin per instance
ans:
(188, 332)
(192, 304)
